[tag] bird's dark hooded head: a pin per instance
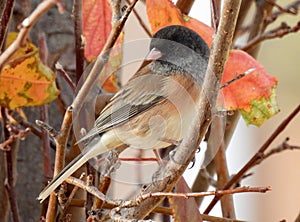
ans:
(181, 50)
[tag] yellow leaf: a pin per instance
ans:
(25, 80)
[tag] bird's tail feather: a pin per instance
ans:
(75, 164)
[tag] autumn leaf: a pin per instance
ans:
(25, 80)
(254, 95)
(164, 13)
(184, 209)
(96, 26)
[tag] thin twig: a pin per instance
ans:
(222, 171)
(10, 186)
(205, 217)
(70, 198)
(43, 48)
(16, 134)
(26, 26)
(46, 144)
(291, 8)
(45, 126)
(278, 32)
(244, 189)
(77, 7)
(282, 147)
(139, 159)
(215, 13)
(65, 75)
(130, 203)
(239, 76)
(142, 23)
(4, 20)
(185, 6)
(256, 157)
(23, 122)
(140, 20)
(92, 190)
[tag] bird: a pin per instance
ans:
(155, 107)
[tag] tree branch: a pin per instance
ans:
(185, 6)
(291, 9)
(256, 157)
(6, 14)
(278, 32)
(10, 169)
(76, 12)
(61, 142)
(26, 26)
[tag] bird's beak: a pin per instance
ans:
(154, 54)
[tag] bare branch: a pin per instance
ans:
(65, 75)
(61, 142)
(291, 9)
(278, 32)
(77, 8)
(4, 20)
(244, 189)
(227, 204)
(45, 126)
(46, 143)
(282, 147)
(215, 13)
(67, 204)
(239, 76)
(256, 157)
(185, 5)
(10, 160)
(26, 26)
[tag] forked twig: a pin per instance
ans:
(256, 157)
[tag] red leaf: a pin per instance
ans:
(184, 209)
(254, 86)
(96, 26)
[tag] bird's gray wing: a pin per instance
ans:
(141, 92)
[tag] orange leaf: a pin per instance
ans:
(164, 13)
(113, 64)
(25, 80)
(184, 209)
(96, 26)
(254, 94)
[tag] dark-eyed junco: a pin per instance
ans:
(156, 106)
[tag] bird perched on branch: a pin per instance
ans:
(157, 104)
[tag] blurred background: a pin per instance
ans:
(280, 57)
